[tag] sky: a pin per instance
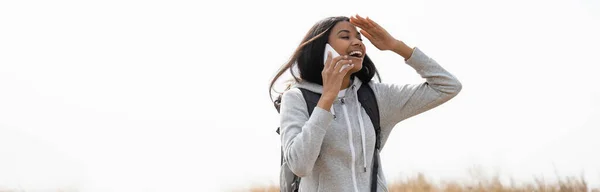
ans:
(173, 95)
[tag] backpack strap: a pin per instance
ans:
(277, 104)
(311, 99)
(367, 99)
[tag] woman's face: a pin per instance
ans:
(346, 40)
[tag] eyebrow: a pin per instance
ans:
(343, 30)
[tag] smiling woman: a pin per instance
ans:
(309, 54)
(334, 119)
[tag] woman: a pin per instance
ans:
(332, 149)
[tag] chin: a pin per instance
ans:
(356, 68)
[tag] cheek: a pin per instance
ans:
(339, 45)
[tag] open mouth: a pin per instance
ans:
(356, 54)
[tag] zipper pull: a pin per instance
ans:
(342, 100)
(365, 169)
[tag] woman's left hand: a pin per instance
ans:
(378, 36)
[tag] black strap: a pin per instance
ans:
(311, 99)
(367, 99)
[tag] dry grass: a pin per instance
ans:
(420, 183)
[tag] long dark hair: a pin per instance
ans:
(308, 57)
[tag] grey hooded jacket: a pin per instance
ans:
(332, 150)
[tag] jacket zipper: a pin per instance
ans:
(351, 144)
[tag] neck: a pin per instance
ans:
(346, 82)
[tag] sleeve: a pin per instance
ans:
(399, 102)
(302, 135)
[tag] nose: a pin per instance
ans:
(357, 42)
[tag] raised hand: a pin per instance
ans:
(378, 36)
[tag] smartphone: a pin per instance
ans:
(333, 52)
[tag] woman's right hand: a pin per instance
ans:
(333, 75)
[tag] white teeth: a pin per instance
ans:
(356, 52)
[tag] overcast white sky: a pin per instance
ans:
(172, 95)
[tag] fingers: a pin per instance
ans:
(338, 68)
(356, 21)
(359, 25)
(371, 23)
(327, 61)
(365, 23)
(340, 64)
(360, 21)
(336, 65)
(345, 68)
(331, 62)
(366, 34)
(369, 28)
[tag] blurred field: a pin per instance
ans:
(420, 183)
